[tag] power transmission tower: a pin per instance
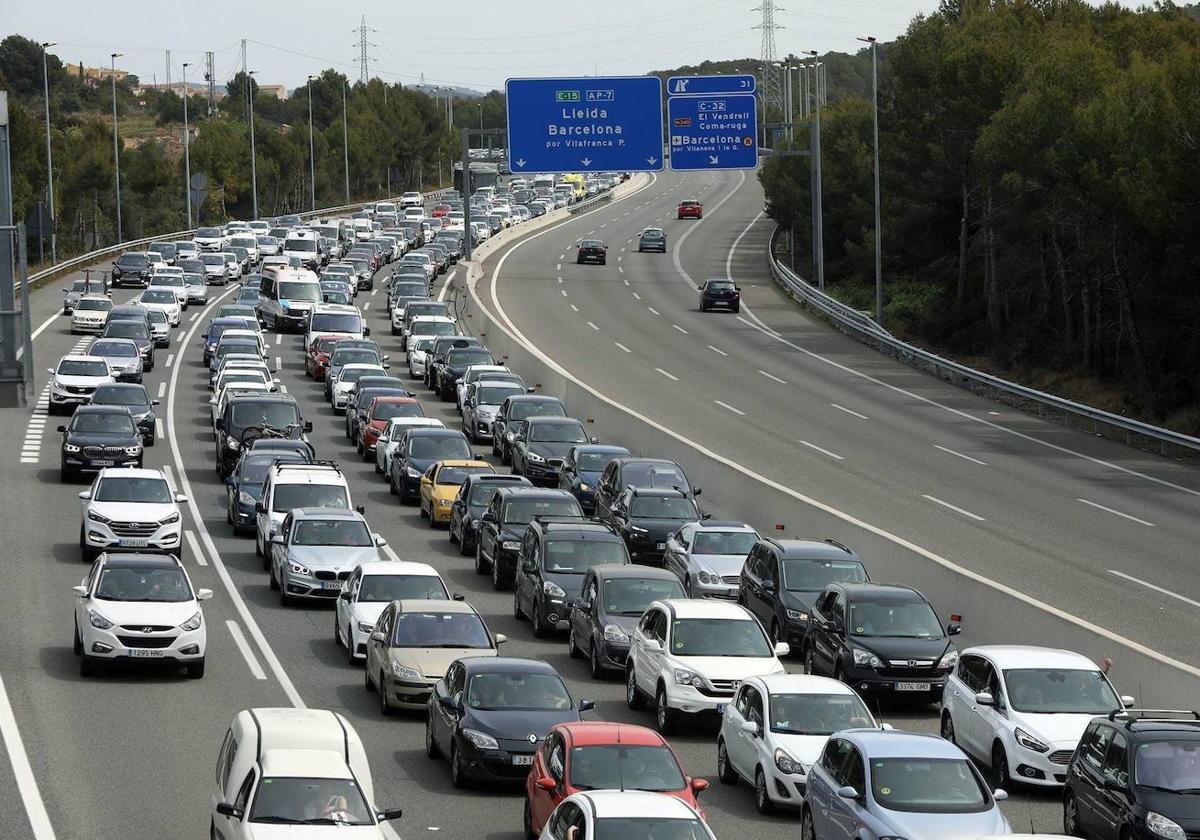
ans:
(772, 90)
(362, 29)
(210, 76)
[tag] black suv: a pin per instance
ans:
(131, 268)
(134, 397)
(555, 555)
(437, 354)
(623, 473)
(1135, 776)
(418, 449)
(541, 444)
(720, 293)
(781, 580)
(455, 364)
(246, 416)
(502, 526)
(99, 436)
(515, 409)
(472, 500)
(881, 638)
(646, 516)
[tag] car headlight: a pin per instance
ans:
(796, 615)
(481, 740)
(232, 443)
(296, 568)
(535, 458)
(411, 473)
(866, 659)
(133, 450)
(553, 589)
(708, 578)
(508, 436)
(1029, 742)
(786, 764)
(70, 447)
(98, 621)
(96, 517)
(686, 677)
(246, 499)
(584, 487)
(615, 635)
(1164, 827)
(170, 520)
(403, 672)
(364, 627)
(949, 660)
(633, 529)
(192, 623)
(445, 502)
(510, 545)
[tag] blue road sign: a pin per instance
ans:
(704, 85)
(713, 132)
(588, 124)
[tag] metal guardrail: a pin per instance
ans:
(862, 328)
(587, 203)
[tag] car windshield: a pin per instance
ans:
(279, 415)
(818, 714)
(120, 395)
(421, 345)
(652, 233)
(663, 507)
(724, 542)
(290, 800)
(338, 532)
(721, 285)
(440, 630)
(1169, 765)
(388, 588)
(242, 375)
(388, 410)
(928, 785)
(174, 281)
(435, 328)
(300, 291)
(103, 423)
(212, 259)
(291, 496)
(123, 583)
(208, 233)
(665, 476)
(353, 356)
(330, 322)
(126, 329)
(157, 318)
(620, 767)
(255, 469)
(308, 245)
(913, 619)
(494, 394)
(408, 290)
(468, 356)
(152, 491)
(511, 692)
(439, 448)
(718, 637)
(352, 375)
(522, 511)
(455, 476)
(801, 575)
(113, 348)
(158, 295)
(558, 433)
(574, 557)
(594, 461)
(1050, 691)
(631, 596)
(244, 346)
(94, 305)
(649, 828)
(528, 408)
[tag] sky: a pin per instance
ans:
(469, 43)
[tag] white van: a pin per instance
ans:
(335, 319)
(302, 243)
(363, 230)
(249, 241)
(286, 296)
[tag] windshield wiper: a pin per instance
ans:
(276, 818)
(1169, 790)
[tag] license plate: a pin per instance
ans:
(146, 653)
(127, 543)
(102, 462)
(660, 546)
(333, 585)
(720, 708)
(522, 759)
(912, 686)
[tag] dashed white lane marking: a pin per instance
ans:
(720, 351)
(822, 450)
(278, 338)
(366, 306)
(158, 428)
(653, 310)
(681, 329)
(574, 308)
(278, 362)
(670, 376)
(193, 317)
(954, 508)
(559, 279)
(283, 389)
(162, 389)
(1115, 512)
(621, 270)
(728, 407)
(170, 359)
(961, 455)
(848, 411)
(773, 377)
(563, 292)
(374, 292)
(562, 256)
(558, 267)
(235, 630)
(179, 339)
(194, 547)
(593, 326)
(622, 346)
(636, 296)
(1158, 589)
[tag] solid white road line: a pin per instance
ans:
(193, 317)
(593, 326)
(244, 647)
(718, 350)
(954, 508)
(772, 377)
(960, 455)
(194, 546)
(832, 455)
(681, 329)
(1159, 589)
(622, 346)
(848, 411)
(1118, 513)
(730, 408)
(35, 808)
(670, 376)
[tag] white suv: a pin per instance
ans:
(139, 607)
(75, 380)
(411, 199)
(690, 656)
(290, 486)
(130, 509)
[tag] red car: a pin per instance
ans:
(440, 210)
(381, 410)
(601, 755)
(316, 355)
(690, 209)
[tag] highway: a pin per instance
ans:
(131, 754)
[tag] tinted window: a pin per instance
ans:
(557, 433)
(814, 575)
(327, 322)
(114, 348)
(1172, 765)
(817, 714)
(144, 490)
(295, 800)
(515, 692)
(120, 395)
(386, 411)
(729, 542)
(1050, 691)
(90, 422)
(663, 476)
(93, 305)
(663, 507)
(127, 329)
(593, 461)
(291, 496)
(276, 414)
(521, 409)
(632, 596)
(164, 584)
(439, 448)
(336, 532)
(620, 767)
(457, 475)
(439, 629)
(895, 618)
(928, 785)
(522, 511)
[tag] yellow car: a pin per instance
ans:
(440, 485)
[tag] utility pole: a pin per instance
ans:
(11, 376)
(312, 155)
(253, 157)
(116, 151)
(187, 157)
(878, 225)
(346, 140)
(468, 234)
(49, 153)
(818, 212)
(168, 88)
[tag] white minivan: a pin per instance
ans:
(302, 244)
(286, 296)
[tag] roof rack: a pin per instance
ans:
(552, 518)
(837, 544)
(312, 465)
(1131, 716)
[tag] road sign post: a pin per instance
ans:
(586, 124)
(712, 122)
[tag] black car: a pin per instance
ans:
(652, 239)
(542, 443)
(1135, 776)
(646, 516)
(131, 269)
(515, 409)
(417, 450)
(720, 294)
(350, 351)
(300, 446)
(555, 555)
(99, 436)
(613, 599)
(245, 417)
(139, 332)
(243, 488)
(581, 470)
(488, 715)
(212, 336)
(592, 250)
(136, 399)
(472, 500)
(650, 473)
(437, 354)
(881, 638)
(250, 293)
(502, 527)
(455, 365)
(781, 580)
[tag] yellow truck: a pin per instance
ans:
(577, 181)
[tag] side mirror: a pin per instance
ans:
(501, 638)
(696, 491)
(768, 583)
(887, 727)
(389, 814)
(1114, 785)
(450, 704)
(307, 427)
(1128, 701)
(62, 428)
(953, 629)
(220, 423)
(366, 331)
(458, 596)
(586, 705)
(80, 590)
(698, 785)
(985, 698)
(546, 783)
(847, 792)
(204, 594)
(50, 371)
(155, 402)
(488, 516)
(750, 727)
(85, 494)
(594, 439)
(380, 542)
(259, 507)
(344, 594)
(227, 810)
(277, 539)
(782, 648)
(362, 509)
(180, 499)
(229, 482)
(999, 794)
(654, 645)
(378, 637)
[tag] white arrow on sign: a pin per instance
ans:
(586, 161)
(713, 160)
(651, 160)
(520, 162)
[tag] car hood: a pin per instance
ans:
(82, 381)
(1181, 807)
(658, 528)
(720, 564)
(895, 648)
(571, 584)
(333, 557)
(803, 600)
(514, 725)
(269, 831)
(512, 531)
(804, 748)
(133, 511)
(730, 667)
(445, 492)
(945, 826)
(145, 613)
(103, 439)
(433, 662)
(1059, 731)
(550, 449)
(368, 611)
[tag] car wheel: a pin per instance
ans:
(594, 662)
(725, 771)
(807, 830)
(810, 660)
(76, 642)
(664, 715)
(385, 705)
(432, 520)
(350, 660)
(633, 695)
(527, 820)
(1071, 816)
(450, 533)
(195, 670)
(497, 583)
(948, 727)
(274, 580)
(999, 767)
(421, 509)
(457, 777)
(518, 613)
(149, 440)
(540, 630)
(431, 747)
(391, 483)
(762, 802)
(378, 469)
(573, 650)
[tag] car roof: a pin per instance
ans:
(80, 357)
(102, 409)
(858, 590)
(618, 804)
(507, 665)
(287, 729)
(326, 513)
(267, 397)
(705, 608)
(131, 472)
(141, 561)
(445, 605)
(730, 525)
(803, 684)
(583, 530)
(1032, 656)
(534, 398)
(895, 743)
(586, 733)
(305, 764)
(659, 492)
(433, 431)
(812, 549)
(398, 567)
(611, 571)
(529, 492)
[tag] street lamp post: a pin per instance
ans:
(253, 157)
(481, 117)
(187, 155)
(818, 216)
(878, 232)
(49, 153)
(345, 141)
(312, 156)
(116, 151)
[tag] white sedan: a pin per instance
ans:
(370, 588)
